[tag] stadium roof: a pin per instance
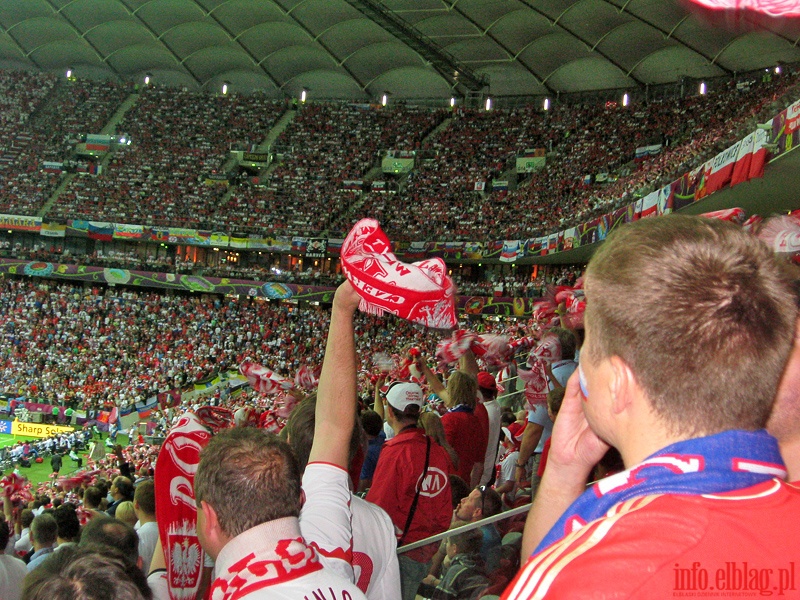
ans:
(359, 49)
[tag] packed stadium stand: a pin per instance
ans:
(178, 139)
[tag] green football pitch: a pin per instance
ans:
(39, 472)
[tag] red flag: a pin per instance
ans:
(722, 168)
(741, 168)
(759, 155)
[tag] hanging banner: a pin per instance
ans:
(53, 230)
(511, 250)
(317, 248)
(18, 223)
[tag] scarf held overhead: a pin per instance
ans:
(420, 292)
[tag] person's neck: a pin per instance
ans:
(400, 426)
(790, 451)
(645, 435)
(143, 518)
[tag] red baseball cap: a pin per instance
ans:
(486, 381)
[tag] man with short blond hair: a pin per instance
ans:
(689, 323)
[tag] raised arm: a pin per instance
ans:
(468, 364)
(436, 385)
(377, 406)
(338, 387)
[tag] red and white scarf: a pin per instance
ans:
(175, 505)
(420, 292)
(291, 559)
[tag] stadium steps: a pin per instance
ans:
(56, 193)
(373, 174)
(110, 127)
(273, 135)
(509, 175)
(440, 127)
(276, 130)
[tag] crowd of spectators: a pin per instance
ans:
(101, 348)
(518, 282)
(43, 118)
(582, 140)
(325, 145)
(23, 188)
(178, 139)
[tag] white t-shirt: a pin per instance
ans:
(326, 518)
(493, 410)
(148, 537)
(338, 524)
(539, 416)
(375, 564)
(12, 572)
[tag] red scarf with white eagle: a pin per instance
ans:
(175, 505)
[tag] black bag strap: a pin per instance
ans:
(413, 508)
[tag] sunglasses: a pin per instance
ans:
(482, 489)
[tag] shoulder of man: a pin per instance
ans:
(667, 543)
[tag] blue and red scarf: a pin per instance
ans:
(724, 462)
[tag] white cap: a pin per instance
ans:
(403, 395)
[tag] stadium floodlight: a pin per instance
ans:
(488, 104)
(626, 99)
(702, 88)
(384, 98)
(225, 87)
(303, 95)
(452, 101)
(547, 103)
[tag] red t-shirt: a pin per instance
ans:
(464, 433)
(394, 485)
(675, 545)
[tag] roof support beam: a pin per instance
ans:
(169, 49)
(453, 71)
(512, 56)
(670, 35)
(591, 47)
(238, 42)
